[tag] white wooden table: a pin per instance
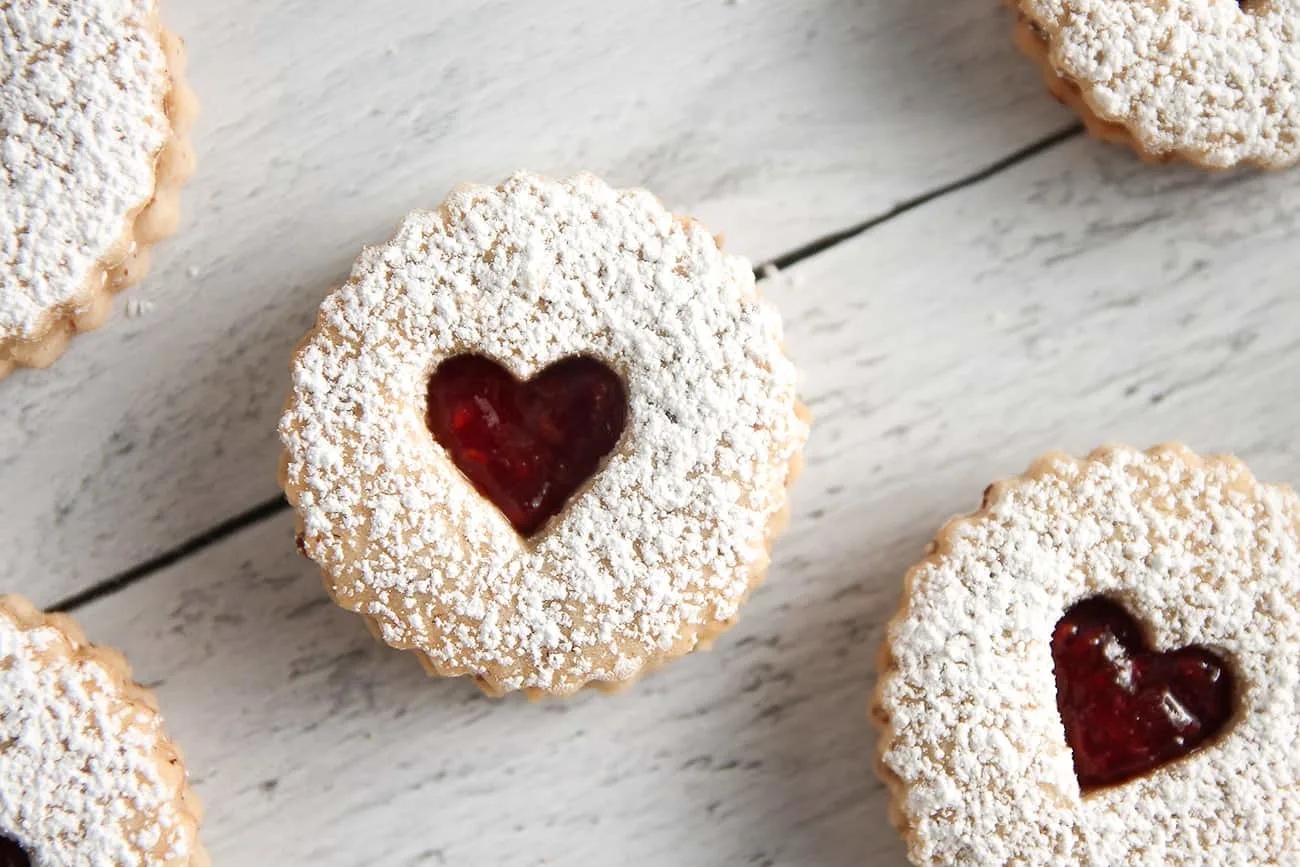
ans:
(967, 282)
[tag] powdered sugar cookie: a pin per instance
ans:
(1211, 82)
(542, 436)
(1100, 667)
(95, 153)
(87, 775)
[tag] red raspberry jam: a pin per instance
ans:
(12, 855)
(526, 446)
(1128, 709)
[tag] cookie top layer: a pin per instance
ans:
(664, 542)
(973, 744)
(87, 776)
(82, 89)
(1211, 80)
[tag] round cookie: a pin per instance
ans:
(543, 436)
(1211, 82)
(87, 774)
(1101, 666)
(95, 153)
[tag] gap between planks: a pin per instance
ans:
(275, 506)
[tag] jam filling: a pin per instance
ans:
(526, 446)
(12, 855)
(1128, 709)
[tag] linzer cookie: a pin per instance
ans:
(542, 436)
(1101, 667)
(95, 115)
(87, 774)
(1211, 82)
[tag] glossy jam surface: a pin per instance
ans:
(12, 855)
(1128, 709)
(526, 446)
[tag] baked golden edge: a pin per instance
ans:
(1044, 466)
(700, 637)
(127, 262)
(79, 652)
(1034, 41)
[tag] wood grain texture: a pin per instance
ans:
(313, 744)
(1076, 299)
(325, 121)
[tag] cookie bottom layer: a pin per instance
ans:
(127, 263)
(1033, 43)
(1035, 40)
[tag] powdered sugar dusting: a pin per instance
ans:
(664, 542)
(1201, 554)
(82, 84)
(80, 784)
(1206, 78)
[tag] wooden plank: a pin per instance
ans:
(1077, 299)
(1080, 298)
(324, 122)
(313, 744)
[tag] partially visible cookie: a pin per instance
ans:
(87, 774)
(542, 437)
(1215, 83)
(1101, 667)
(95, 115)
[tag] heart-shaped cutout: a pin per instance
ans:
(12, 855)
(526, 446)
(1128, 709)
